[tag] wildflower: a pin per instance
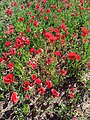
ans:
(7, 43)
(82, 2)
(26, 85)
(37, 6)
(45, 17)
(39, 51)
(32, 50)
(57, 53)
(71, 95)
(85, 31)
(11, 65)
(36, 23)
(28, 30)
(72, 88)
(63, 26)
(13, 51)
(55, 93)
(14, 4)
(21, 19)
(34, 66)
(14, 97)
(38, 81)
(44, 1)
(78, 57)
(41, 90)
(63, 72)
(27, 97)
(89, 65)
(22, 6)
(41, 10)
(49, 60)
(34, 77)
(27, 41)
(59, 10)
(73, 56)
(54, 6)
(3, 59)
(63, 41)
(88, 8)
(9, 11)
(9, 78)
(48, 84)
(52, 39)
(48, 10)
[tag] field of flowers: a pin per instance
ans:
(44, 58)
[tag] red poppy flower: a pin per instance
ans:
(37, 6)
(48, 84)
(34, 66)
(45, 17)
(13, 51)
(9, 11)
(21, 34)
(85, 40)
(28, 30)
(4, 36)
(55, 93)
(9, 78)
(59, 10)
(21, 19)
(38, 81)
(49, 60)
(82, 1)
(3, 59)
(29, 13)
(41, 10)
(89, 65)
(57, 53)
(11, 31)
(41, 90)
(71, 55)
(19, 42)
(63, 26)
(22, 6)
(6, 32)
(88, 8)
(26, 85)
(72, 88)
(85, 31)
(14, 4)
(32, 50)
(14, 97)
(71, 95)
(36, 23)
(34, 77)
(11, 65)
(39, 51)
(48, 10)
(27, 97)
(52, 39)
(69, 5)
(54, 6)
(44, 1)
(47, 34)
(63, 72)
(29, 62)
(78, 57)
(27, 41)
